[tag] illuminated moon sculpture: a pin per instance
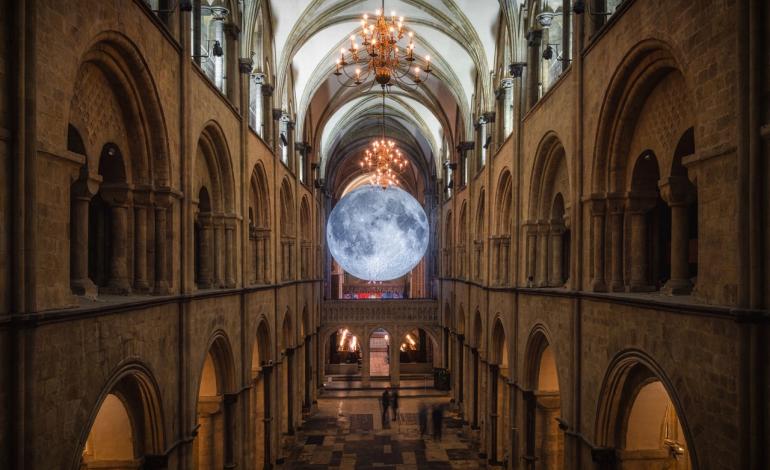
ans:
(377, 234)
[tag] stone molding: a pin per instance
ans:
(423, 312)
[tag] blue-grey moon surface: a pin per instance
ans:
(377, 234)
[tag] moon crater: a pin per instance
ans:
(377, 234)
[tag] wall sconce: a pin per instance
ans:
(548, 52)
(216, 50)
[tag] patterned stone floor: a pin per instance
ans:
(348, 433)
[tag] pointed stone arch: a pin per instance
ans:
(635, 385)
(128, 409)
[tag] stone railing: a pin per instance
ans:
(423, 311)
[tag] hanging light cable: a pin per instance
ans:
(383, 159)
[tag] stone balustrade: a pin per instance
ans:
(417, 311)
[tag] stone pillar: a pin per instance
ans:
(257, 113)
(229, 254)
(506, 261)
(597, 220)
(162, 284)
(141, 202)
(289, 361)
(365, 362)
(542, 255)
(534, 38)
(119, 198)
(395, 360)
(82, 191)
(616, 238)
(507, 87)
(217, 250)
(140, 249)
(205, 255)
(676, 192)
(556, 274)
(531, 231)
(551, 450)
(638, 208)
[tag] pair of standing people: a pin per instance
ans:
(388, 401)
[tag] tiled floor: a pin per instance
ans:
(348, 433)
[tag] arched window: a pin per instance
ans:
(259, 228)
(554, 19)
(209, 43)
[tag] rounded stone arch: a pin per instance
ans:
(223, 361)
(287, 331)
(260, 197)
(305, 323)
(550, 176)
(643, 68)
(536, 355)
(288, 225)
(305, 216)
(447, 320)
(214, 152)
(504, 203)
(261, 351)
(461, 321)
(629, 375)
(135, 388)
(113, 85)
(498, 350)
(478, 331)
(478, 231)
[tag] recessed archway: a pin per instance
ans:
(379, 353)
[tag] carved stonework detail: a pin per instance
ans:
(421, 312)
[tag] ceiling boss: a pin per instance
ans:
(379, 56)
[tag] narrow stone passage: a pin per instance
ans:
(348, 433)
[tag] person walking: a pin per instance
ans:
(437, 416)
(394, 404)
(385, 404)
(422, 417)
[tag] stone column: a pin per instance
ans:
(289, 361)
(141, 202)
(119, 198)
(531, 231)
(556, 274)
(676, 192)
(507, 86)
(616, 238)
(205, 255)
(534, 38)
(162, 285)
(257, 114)
(229, 227)
(542, 255)
(365, 362)
(140, 249)
(395, 359)
(217, 250)
(82, 191)
(637, 209)
(506, 261)
(551, 450)
(597, 220)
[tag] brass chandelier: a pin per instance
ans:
(379, 55)
(383, 159)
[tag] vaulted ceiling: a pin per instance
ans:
(459, 35)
